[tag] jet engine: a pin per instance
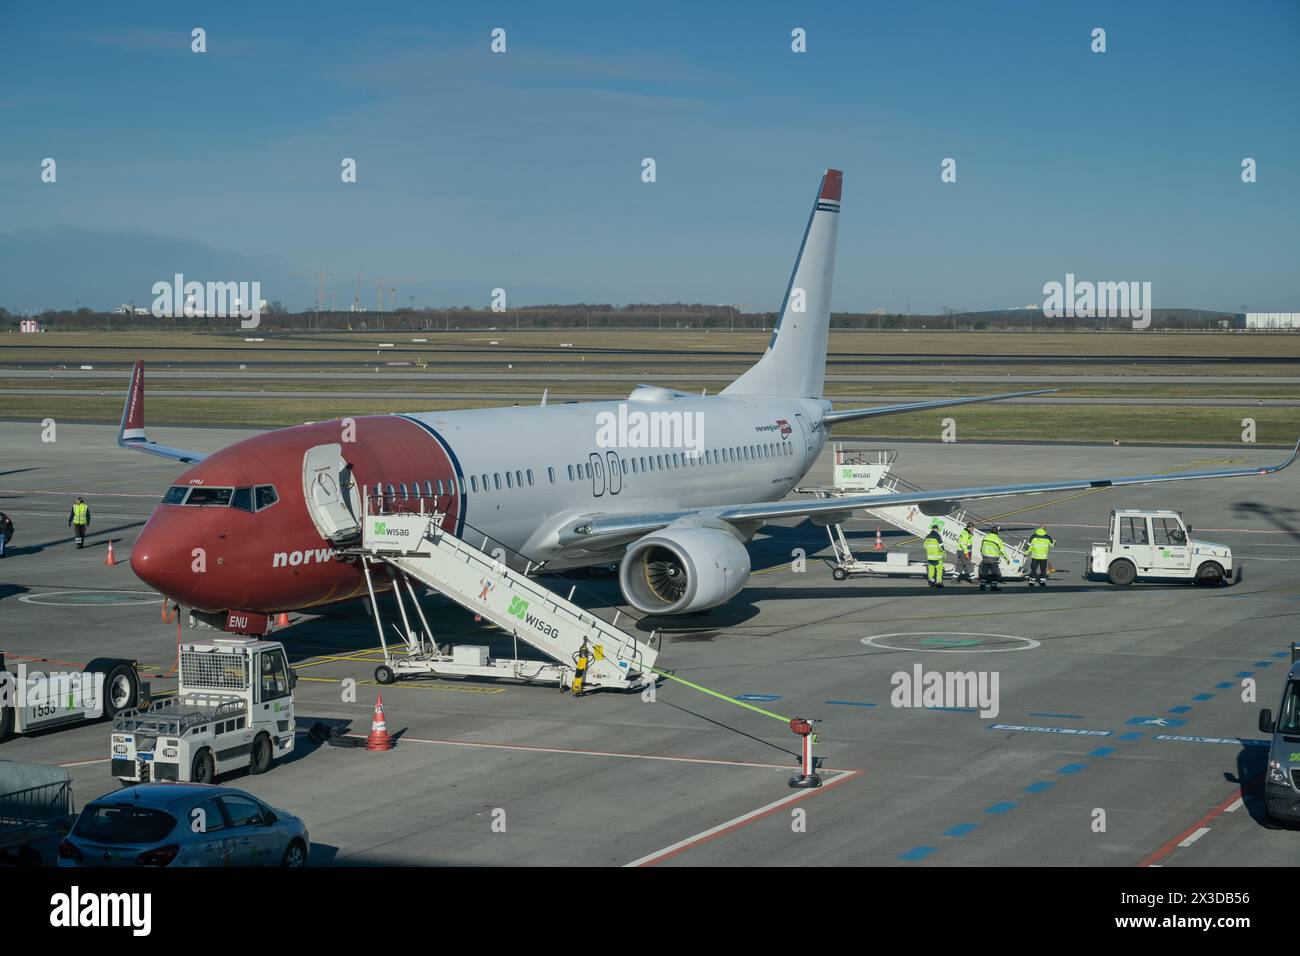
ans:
(683, 569)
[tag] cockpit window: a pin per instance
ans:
(265, 495)
(210, 496)
(243, 499)
(175, 495)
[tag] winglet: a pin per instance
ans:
(1272, 469)
(130, 434)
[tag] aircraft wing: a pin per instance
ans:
(130, 434)
(853, 414)
(614, 527)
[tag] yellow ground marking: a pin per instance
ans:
(330, 658)
(454, 688)
(414, 685)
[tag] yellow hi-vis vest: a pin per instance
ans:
(965, 539)
(991, 546)
(1039, 546)
(80, 513)
(933, 547)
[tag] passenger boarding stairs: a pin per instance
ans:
(408, 540)
(869, 471)
(417, 546)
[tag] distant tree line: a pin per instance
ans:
(639, 316)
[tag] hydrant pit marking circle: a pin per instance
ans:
(103, 598)
(1025, 643)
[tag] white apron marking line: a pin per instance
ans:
(737, 822)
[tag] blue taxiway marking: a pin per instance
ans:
(1239, 741)
(917, 853)
(1155, 722)
(1030, 728)
(1263, 663)
(1005, 806)
(764, 697)
(953, 710)
(851, 703)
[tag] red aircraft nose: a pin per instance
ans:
(169, 555)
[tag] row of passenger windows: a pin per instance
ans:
(582, 471)
(648, 463)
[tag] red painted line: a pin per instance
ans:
(69, 494)
(82, 763)
(45, 660)
(1169, 847)
(487, 745)
(744, 821)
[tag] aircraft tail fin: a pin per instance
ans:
(794, 364)
(131, 433)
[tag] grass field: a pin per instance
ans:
(664, 358)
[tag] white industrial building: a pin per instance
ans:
(1266, 320)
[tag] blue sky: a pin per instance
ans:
(522, 170)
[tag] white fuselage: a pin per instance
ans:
(749, 449)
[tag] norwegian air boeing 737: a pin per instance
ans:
(670, 485)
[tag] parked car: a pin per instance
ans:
(184, 824)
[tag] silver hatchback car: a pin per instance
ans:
(184, 824)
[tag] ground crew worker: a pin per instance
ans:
(6, 532)
(581, 661)
(965, 547)
(78, 519)
(991, 553)
(934, 556)
(1039, 547)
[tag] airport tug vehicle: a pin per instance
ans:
(233, 708)
(42, 699)
(1156, 544)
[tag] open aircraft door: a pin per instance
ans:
(331, 493)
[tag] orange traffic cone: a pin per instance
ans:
(880, 544)
(282, 619)
(379, 739)
(110, 560)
